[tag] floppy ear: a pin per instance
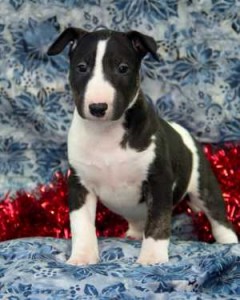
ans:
(70, 34)
(143, 44)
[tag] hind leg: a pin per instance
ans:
(135, 229)
(223, 234)
(212, 204)
(205, 195)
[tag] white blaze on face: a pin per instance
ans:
(98, 89)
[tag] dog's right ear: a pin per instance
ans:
(70, 34)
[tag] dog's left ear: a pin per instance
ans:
(70, 34)
(143, 44)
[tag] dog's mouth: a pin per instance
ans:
(101, 119)
(97, 118)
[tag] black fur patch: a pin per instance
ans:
(145, 192)
(140, 124)
(76, 191)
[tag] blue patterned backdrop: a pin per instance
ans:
(196, 82)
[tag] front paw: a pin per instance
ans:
(151, 259)
(82, 260)
(153, 252)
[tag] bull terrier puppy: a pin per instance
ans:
(123, 153)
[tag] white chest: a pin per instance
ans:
(114, 174)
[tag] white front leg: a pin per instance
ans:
(84, 239)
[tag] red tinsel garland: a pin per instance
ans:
(44, 212)
(225, 163)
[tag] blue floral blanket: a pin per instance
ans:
(36, 269)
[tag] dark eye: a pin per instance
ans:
(82, 67)
(123, 68)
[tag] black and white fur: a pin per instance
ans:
(121, 152)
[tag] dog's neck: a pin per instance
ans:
(136, 115)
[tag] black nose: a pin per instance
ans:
(98, 109)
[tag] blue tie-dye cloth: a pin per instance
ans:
(196, 83)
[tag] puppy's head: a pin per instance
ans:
(104, 69)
